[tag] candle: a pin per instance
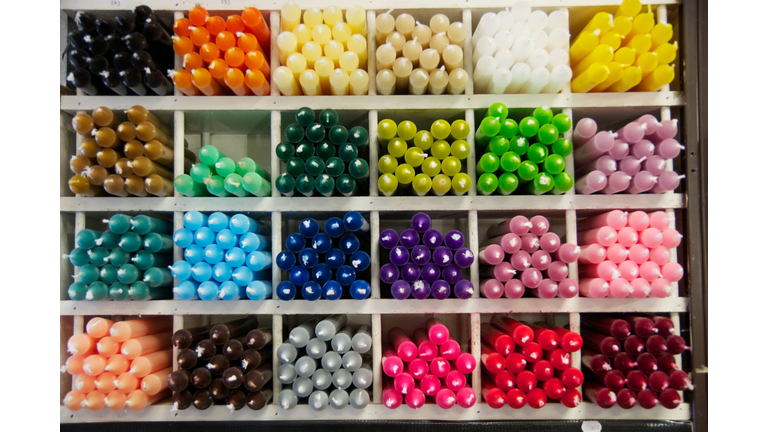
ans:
(385, 56)
(661, 76)
(422, 34)
(457, 81)
(385, 24)
(418, 82)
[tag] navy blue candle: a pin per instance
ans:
(442, 256)
(285, 260)
(322, 243)
(451, 273)
(360, 261)
(322, 273)
(311, 291)
(298, 275)
(441, 289)
(332, 290)
(420, 290)
(308, 258)
(430, 272)
(399, 256)
(432, 238)
(286, 290)
(409, 238)
(401, 290)
(360, 290)
(464, 257)
(295, 242)
(349, 244)
(309, 228)
(389, 238)
(389, 273)
(410, 272)
(345, 275)
(421, 222)
(334, 227)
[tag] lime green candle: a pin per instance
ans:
(224, 166)
(285, 151)
(295, 166)
(527, 170)
(199, 172)
(460, 149)
(257, 185)
(233, 184)
(423, 140)
(304, 116)
(509, 162)
(440, 129)
(414, 156)
(294, 133)
(346, 185)
(246, 165)
(305, 150)
(460, 129)
(441, 149)
(488, 163)
(347, 152)
(404, 174)
(537, 153)
(387, 184)
(542, 183)
(554, 164)
(487, 183)
(186, 186)
(358, 136)
(335, 167)
(314, 166)
(498, 110)
(529, 127)
(421, 184)
(386, 129)
(325, 150)
(460, 184)
(209, 155)
(563, 147)
(215, 185)
(441, 184)
(305, 184)
(498, 145)
(397, 147)
(450, 166)
(508, 182)
(358, 169)
(563, 183)
(325, 184)
(543, 115)
(431, 166)
(509, 128)
(562, 122)
(519, 145)
(547, 134)
(489, 128)
(285, 184)
(406, 130)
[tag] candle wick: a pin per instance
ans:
(390, 11)
(171, 73)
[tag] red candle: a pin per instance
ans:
(505, 380)
(390, 362)
(404, 383)
(516, 363)
(667, 363)
(644, 327)
(445, 398)
(493, 361)
(430, 385)
(450, 350)
(637, 381)
(516, 398)
(634, 346)
(437, 331)
(569, 341)
(571, 377)
(624, 363)
(602, 396)
(559, 358)
(608, 345)
(679, 380)
(526, 381)
(521, 333)
(658, 381)
(614, 380)
(676, 345)
(626, 398)
(616, 327)
(426, 348)
(465, 397)
(532, 352)
(647, 363)
(597, 363)
(418, 368)
(455, 380)
(554, 388)
(493, 396)
(500, 341)
(647, 398)
(665, 325)
(669, 399)
(405, 348)
(656, 345)
(543, 370)
(415, 398)
(571, 398)
(547, 338)
(536, 398)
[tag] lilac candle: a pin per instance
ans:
(464, 257)
(591, 183)
(443, 256)
(617, 182)
(605, 163)
(401, 290)
(389, 273)
(432, 238)
(620, 149)
(420, 290)
(584, 130)
(421, 255)
(430, 272)
(643, 148)
(631, 165)
(410, 272)
(632, 132)
(409, 238)
(668, 181)
(454, 239)
(514, 289)
(651, 123)
(598, 145)
(421, 222)
(669, 148)
(464, 289)
(667, 129)
(655, 165)
(642, 182)
(399, 255)
(440, 289)
(389, 238)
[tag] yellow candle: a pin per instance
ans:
(429, 59)
(357, 20)
(321, 34)
(404, 24)
(358, 82)
(587, 80)
(303, 35)
(453, 57)
(359, 45)
(623, 25)
(290, 16)
(647, 62)
(341, 32)
(439, 23)
(333, 50)
(602, 21)
(285, 82)
(310, 83)
(630, 78)
(660, 77)
(385, 56)
(324, 67)
(397, 40)
(441, 184)
(601, 54)
(402, 67)
(438, 42)
(349, 61)
(615, 71)
(385, 82)
(418, 81)
(339, 82)
(385, 24)
(313, 17)
(287, 44)
(422, 33)
(640, 43)
(438, 81)
(624, 56)
(332, 15)
(457, 33)
(629, 8)
(312, 51)
(412, 51)
(660, 34)
(457, 81)
(666, 52)
(643, 23)
(611, 39)
(583, 45)
(297, 63)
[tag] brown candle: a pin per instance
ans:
(236, 400)
(159, 153)
(80, 185)
(107, 157)
(202, 399)
(138, 114)
(233, 377)
(255, 379)
(82, 123)
(104, 117)
(178, 380)
(135, 186)
(143, 167)
(252, 359)
(115, 185)
(146, 131)
(257, 338)
(122, 168)
(205, 349)
(158, 186)
(258, 400)
(78, 164)
(185, 338)
(218, 364)
(201, 378)
(218, 389)
(96, 174)
(187, 359)
(181, 400)
(220, 333)
(126, 131)
(233, 348)
(133, 149)
(88, 147)
(106, 137)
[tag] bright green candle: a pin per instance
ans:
(358, 168)
(460, 149)
(304, 116)
(256, 185)
(509, 162)
(338, 134)
(541, 184)
(285, 151)
(305, 150)
(295, 167)
(335, 167)
(305, 184)
(498, 110)
(233, 184)
(118, 291)
(488, 163)
(450, 166)
(209, 155)
(414, 156)
(562, 122)
(348, 152)
(487, 183)
(285, 184)
(325, 185)
(315, 133)
(387, 184)
(529, 127)
(537, 153)
(508, 182)
(527, 171)
(489, 128)
(460, 184)
(224, 166)
(328, 118)
(498, 145)
(325, 150)
(440, 129)
(387, 129)
(404, 174)
(509, 128)
(421, 184)
(548, 134)
(397, 147)
(345, 184)
(563, 183)
(563, 147)
(358, 136)
(294, 133)
(519, 145)
(199, 172)
(314, 166)
(186, 186)
(543, 115)
(215, 185)
(423, 140)
(460, 129)
(431, 166)
(554, 164)
(406, 130)
(441, 149)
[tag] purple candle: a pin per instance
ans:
(632, 132)
(541, 260)
(540, 225)
(410, 272)
(668, 181)
(388, 238)
(454, 239)
(409, 238)
(442, 256)
(530, 242)
(452, 273)
(651, 123)
(401, 290)
(389, 273)
(440, 289)
(620, 149)
(432, 238)
(430, 272)
(420, 290)
(421, 255)
(591, 183)
(464, 258)
(642, 182)
(399, 255)
(617, 182)
(597, 146)
(549, 242)
(631, 165)
(514, 289)
(421, 222)
(643, 148)
(464, 289)
(669, 148)
(520, 260)
(655, 165)
(584, 130)
(531, 278)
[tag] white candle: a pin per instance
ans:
(483, 72)
(439, 23)
(558, 38)
(418, 82)
(557, 19)
(453, 57)
(397, 40)
(557, 57)
(539, 78)
(504, 40)
(438, 81)
(538, 20)
(505, 20)
(385, 82)
(521, 10)
(423, 33)
(522, 49)
(486, 46)
(504, 59)
(385, 24)
(412, 51)
(521, 29)
(487, 26)
(538, 58)
(429, 60)
(438, 42)
(402, 67)
(520, 74)
(499, 81)
(559, 77)
(385, 56)
(340, 82)
(457, 33)
(457, 81)
(404, 24)
(540, 39)
(358, 82)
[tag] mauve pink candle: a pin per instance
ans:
(620, 149)
(617, 182)
(520, 260)
(597, 146)
(502, 271)
(518, 225)
(583, 131)
(568, 288)
(594, 288)
(491, 254)
(643, 148)
(643, 181)
(514, 289)
(591, 183)
(605, 236)
(605, 270)
(655, 165)
(549, 242)
(651, 123)
(669, 148)
(604, 163)
(539, 225)
(531, 278)
(509, 242)
(491, 288)
(530, 243)
(593, 253)
(615, 219)
(632, 132)
(547, 289)
(667, 129)
(540, 260)
(667, 181)
(631, 165)
(557, 271)
(568, 253)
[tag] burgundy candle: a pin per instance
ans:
(597, 363)
(624, 362)
(421, 255)
(669, 399)
(647, 398)
(515, 363)
(667, 363)
(637, 380)
(626, 398)
(409, 238)
(441, 289)
(656, 345)
(647, 363)
(658, 381)
(432, 238)
(679, 380)
(420, 290)
(430, 272)
(634, 346)
(602, 396)
(608, 345)
(516, 398)
(410, 272)
(401, 290)
(616, 327)
(389, 238)
(676, 345)
(665, 325)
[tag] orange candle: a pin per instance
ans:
(73, 365)
(85, 383)
(248, 42)
(156, 382)
(108, 346)
(182, 45)
(235, 24)
(235, 57)
(158, 186)
(81, 344)
(182, 79)
(215, 25)
(96, 174)
(115, 400)
(235, 80)
(123, 330)
(104, 117)
(137, 399)
(146, 131)
(117, 364)
(254, 20)
(106, 137)
(199, 36)
(135, 186)
(218, 69)
(88, 147)
(82, 123)
(255, 60)
(94, 364)
(202, 79)
(107, 157)
(78, 164)
(80, 185)
(122, 167)
(126, 131)
(143, 167)
(144, 345)
(126, 382)
(191, 61)
(105, 382)
(74, 399)
(150, 363)
(198, 15)
(209, 52)
(225, 40)
(94, 400)
(115, 185)
(98, 327)
(257, 82)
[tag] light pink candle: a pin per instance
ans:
(628, 237)
(549, 242)
(605, 163)
(568, 253)
(667, 129)
(641, 288)
(620, 149)
(620, 288)
(518, 225)
(491, 254)
(651, 237)
(605, 236)
(510, 242)
(660, 220)
(568, 288)
(643, 149)
(670, 238)
(557, 271)
(531, 278)
(502, 271)
(530, 243)
(491, 288)
(661, 288)
(584, 130)
(591, 183)
(632, 132)
(617, 182)
(546, 289)
(672, 272)
(642, 182)
(631, 165)
(597, 146)
(651, 123)
(594, 288)
(617, 253)
(639, 220)
(667, 181)
(660, 255)
(615, 219)
(607, 270)
(541, 260)
(650, 271)
(669, 148)
(520, 260)
(539, 225)
(592, 254)
(629, 270)
(655, 164)
(514, 289)
(639, 254)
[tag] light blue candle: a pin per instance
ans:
(332, 290)
(193, 254)
(259, 290)
(88, 274)
(118, 257)
(158, 277)
(250, 242)
(360, 290)
(202, 272)
(230, 291)
(143, 225)
(108, 239)
(78, 257)
(181, 270)
(154, 242)
(242, 276)
(311, 291)
(77, 291)
(258, 260)
(218, 221)
(241, 224)
(222, 272)
(354, 221)
(234, 257)
(213, 254)
(144, 260)
(108, 274)
(130, 241)
(226, 239)
(286, 291)
(186, 290)
(86, 238)
(98, 256)
(194, 220)
(97, 291)
(183, 237)
(208, 291)
(119, 223)
(118, 291)
(204, 236)
(128, 274)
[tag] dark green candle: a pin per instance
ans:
(285, 151)
(295, 167)
(345, 184)
(305, 150)
(325, 184)
(314, 166)
(325, 150)
(285, 184)
(358, 136)
(328, 118)
(334, 167)
(305, 184)
(358, 168)
(305, 116)
(347, 152)
(315, 132)
(338, 134)
(294, 133)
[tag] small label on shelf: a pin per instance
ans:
(591, 426)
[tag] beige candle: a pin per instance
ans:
(126, 131)
(439, 23)
(453, 57)
(156, 382)
(94, 401)
(385, 24)
(104, 117)
(144, 345)
(309, 81)
(358, 82)
(349, 61)
(333, 50)
(82, 123)
(108, 346)
(339, 82)
(115, 185)
(151, 363)
(107, 157)
(137, 114)
(422, 33)
(88, 147)
(385, 56)
(135, 186)
(397, 40)
(80, 185)
(412, 51)
(418, 82)
(98, 327)
(324, 68)
(321, 34)
(385, 82)
(359, 45)
(402, 67)
(143, 167)
(126, 382)
(78, 164)
(457, 33)
(96, 174)
(158, 186)
(105, 382)
(297, 63)
(115, 400)
(123, 168)
(429, 59)
(146, 131)
(287, 44)
(457, 81)
(121, 331)
(404, 24)
(285, 82)
(106, 137)
(439, 42)
(117, 364)
(303, 35)
(311, 52)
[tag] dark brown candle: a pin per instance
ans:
(255, 379)
(252, 359)
(218, 389)
(259, 399)
(217, 364)
(187, 359)
(233, 377)
(181, 400)
(201, 378)
(178, 380)
(202, 399)
(258, 338)
(185, 338)
(236, 400)
(221, 333)
(205, 349)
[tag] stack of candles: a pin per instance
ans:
(322, 156)
(424, 263)
(517, 254)
(644, 373)
(120, 364)
(126, 261)
(532, 152)
(322, 264)
(214, 267)
(318, 354)
(431, 363)
(135, 45)
(123, 157)
(431, 163)
(623, 52)
(521, 51)
(221, 56)
(219, 175)
(528, 364)
(415, 58)
(324, 55)
(634, 159)
(628, 254)
(227, 362)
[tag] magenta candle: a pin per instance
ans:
(591, 183)
(445, 398)
(568, 253)
(390, 397)
(592, 254)
(595, 147)
(583, 131)
(514, 289)
(617, 182)
(405, 348)
(437, 331)
(593, 287)
(391, 364)
(632, 132)
(568, 288)
(465, 397)
(643, 149)
(455, 380)
(465, 363)
(415, 398)
(509, 242)
(418, 368)
(404, 383)
(643, 181)
(450, 350)
(430, 385)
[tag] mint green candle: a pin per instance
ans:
(199, 172)
(234, 185)
(246, 165)
(224, 166)
(188, 187)
(209, 155)
(215, 185)
(257, 185)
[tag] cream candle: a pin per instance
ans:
(333, 50)
(321, 34)
(397, 40)
(324, 68)
(439, 23)
(385, 24)
(358, 82)
(412, 51)
(453, 57)
(297, 64)
(311, 52)
(339, 81)
(457, 81)
(402, 67)
(385, 82)
(457, 33)
(285, 82)
(313, 17)
(404, 24)
(504, 40)
(356, 19)
(418, 81)
(290, 16)
(385, 56)
(287, 44)
(341, 32)
(423, 33)
(358, 45)
(429, 59)
(438, 42)
(438, 81)
(349, 61)
(310, 83)
(303, 35)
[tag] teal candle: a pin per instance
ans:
(563, 183)
(328, 118)
(97, 291)
(199, 172)
(128, 274)
(543, 115)
(257, 185)
(489, 128)
(304, 116)
(108, 274)
(225, 166)
(541, 184)
(358, 168)
(563, 147)
(285, 184)
(487, 183)
(509, 128)
(88, 274)
(158, 276)
(488, 163)
(537, 153)
(118, 257)
(294, 133)
(305, 150)
(347, 152)
(498, 145)
(154, 242)
(527, 171)
(295, 166)
(78, 257)
(109, 239)
(285, 151)
(143, 225)
(98, 256)
(529, 127)
(498, 110)
(554, 164)
(77, 291)
(338, 134)
(548, 134)
(305, 184)
(346, 185)
(130, 241)
(358, 136)
(187, 186)
(519, 145)
(315, 133)
(314, 166)
(209, 155)
(509, 162)
(325, 150)
(562, 122)
(86, 239)
(119, 223)
(334, 166)
(118, 291)
(139, 291)
(145, 259)
(325, 184)
(234, 185)
(508, 183)
(215, 185)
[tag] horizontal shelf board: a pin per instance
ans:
(289, 103)
(480, 412)
(371, 306)
(410, 203)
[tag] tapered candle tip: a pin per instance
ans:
(613, 134)
(130, 164)
(681, 177)
(88, 296)
(70, 77)
(87, 38)
(642, 159)
(93, 132)
(84, 403)
(577, 249)
(65, 256)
